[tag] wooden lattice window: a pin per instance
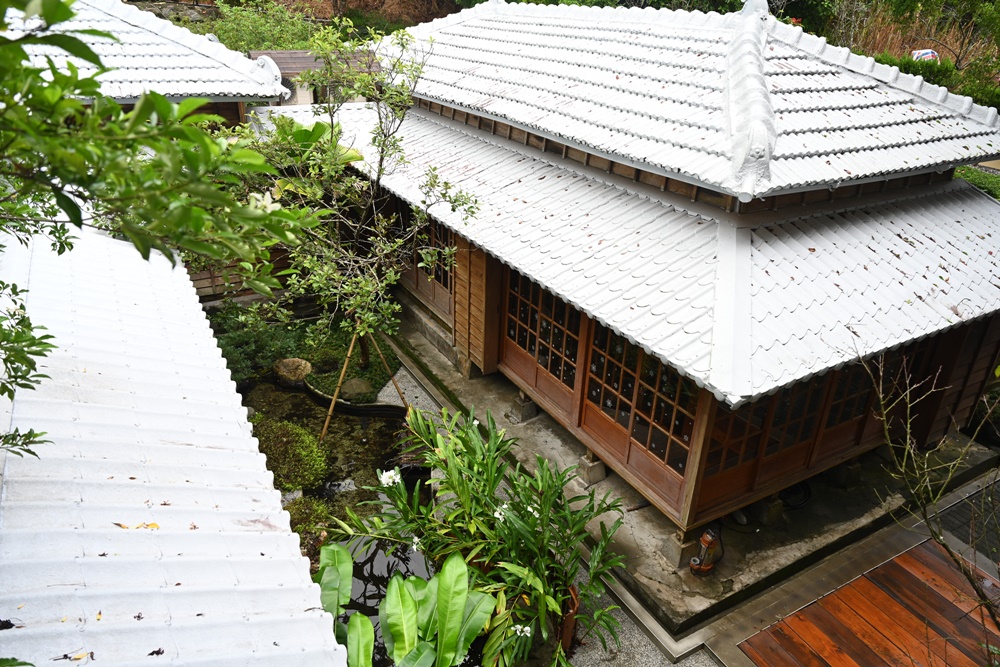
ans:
(796, 415)
(851, 396)
(545, 327)
(436, 236)
(735, 437)
(650, 400)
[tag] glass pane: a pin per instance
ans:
(536, 293)
(689, 395)
(522, 337)
(617, 350)
(531, 343)
(513, 282)
(511, 329)
(559, 313)
(512, 306)
(525, 288)
(631, 357)
(650, 366)
(668, 383)
(712, 467)
(594, 391)
(628, 386)
(547, 304)
(615, 377)
(545, 331)
(663, 412)
(601, 338)
(640, 431)
(597, 364)
(609, 403)
(555, 366)
(683, 427)
(569, 375)
(624, 414)
(645, 404)
(571, 349)
(522, 312)
(533, 324)
(678, 458)
(557, 339)
(543, 356)
(658, 443)
(574, 321)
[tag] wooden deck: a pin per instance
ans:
(913, 610)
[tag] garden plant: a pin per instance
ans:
(524, 539)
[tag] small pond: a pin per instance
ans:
(356, 448)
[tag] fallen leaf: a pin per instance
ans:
(21, 606)
(120, 525)
(79, 656)
(99, 616)
(158, 651)
(138, 616)
(63, 619)
(103, 555)
(153, 526)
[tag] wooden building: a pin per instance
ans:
(691, 227)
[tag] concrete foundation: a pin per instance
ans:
(591, 469)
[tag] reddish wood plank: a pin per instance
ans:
(943, 575)
(795, 646)
(843, 636)
(765, 651)
(920, 639)
(927, 604)
(880, 638)
(819, 641)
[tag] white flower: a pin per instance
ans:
(501, 512)
(264, 202)
(475, 422)
(533, 511)
(390, 478)
(522, 630)
(415, 545)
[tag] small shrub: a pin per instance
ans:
(310, 518)
(293, 454)
(988, 183)
(249, 344)
(939, 74)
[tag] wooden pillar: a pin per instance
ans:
(697, 457)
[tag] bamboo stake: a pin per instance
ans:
(336, 392)
(389, 371)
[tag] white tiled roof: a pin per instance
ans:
(744, 305)
(153, 54)
(148, 531)
(684, 93)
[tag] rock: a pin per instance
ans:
(354, 388)
(341, 486)
(292, 372)
(290, 496)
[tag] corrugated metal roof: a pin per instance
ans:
(149, 531)
(153, 54)
(684, 93)
(743, 305)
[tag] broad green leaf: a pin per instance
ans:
(427, 607)
(330, 584)
(453, 591)
(421, 656)
(478, 609)
(190, 105)
(401, 616)
(336, 556)
(360, 641)
(69, 207)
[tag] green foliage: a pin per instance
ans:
(258, 25)
(70, 156)
(939, 74)
(310, 517)
(14, 662)
(985, 181)
(349, 263)
(293, 454)
(425, 623)
(526, 550)
(250, 344)
(366, 22)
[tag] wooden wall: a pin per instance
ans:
(477, 279)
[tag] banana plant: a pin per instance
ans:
(335, 578)
(424, 623)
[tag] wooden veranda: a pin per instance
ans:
(915, 609)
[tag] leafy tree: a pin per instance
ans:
(71, 157)
(349, 262)
(258, 25)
